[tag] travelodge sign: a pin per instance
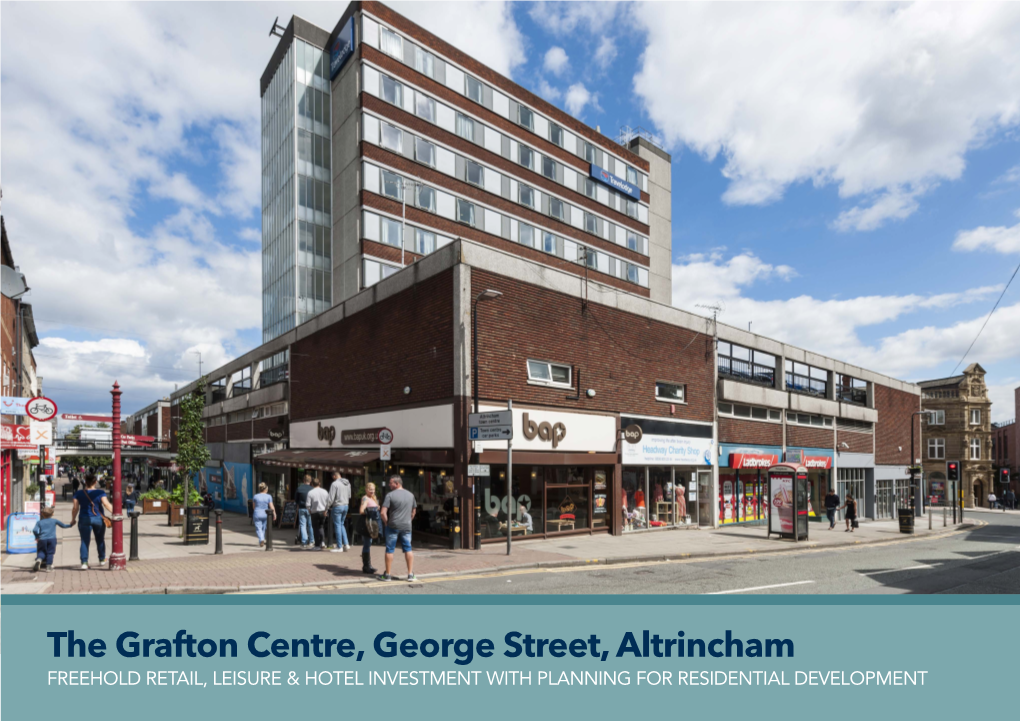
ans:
(343, 48)
(607, 178)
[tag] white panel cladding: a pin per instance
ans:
(541, 126)
(446, 161)
(455, 79)
(513, 150)
(371, 226)
(493, 141)
(539, 195)
(576, 217)
(493, 222)
(446, 117)
(408, 98)
(369, 31)
(370, 129)
(444, 204)
(602, 194)
(442, 240)
(430, 427)
(570, 250)
(492, 181)
(514, 231)
(584, 431)
(370, 80)
(371, 175)
(569, 141)
(570, 177)
(514, 190)
(643, 277)
(642, 213)
(500, 103)
(611, 166)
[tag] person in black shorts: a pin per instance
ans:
(851, 512)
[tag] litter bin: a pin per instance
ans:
(196, 528)
(906, 516)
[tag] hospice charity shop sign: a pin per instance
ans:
(693, 448)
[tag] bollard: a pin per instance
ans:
(269, 532)
(219, 530)
(134, 536)
(945, 514)
(929, 517)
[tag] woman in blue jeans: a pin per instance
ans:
(89, 504)
(263, 512)
(369, 512)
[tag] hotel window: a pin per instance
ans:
(390, 232)
(549, 243)
(670, 392)
(426, 198)
(392, 91)
(525, 156)
(425, 107)
(373, 271)
(975, 449)
(474, 173)
(551, 373)
(391, 138)
(465, 127)
(473, 89)
(424, 62)
(631, 208)
(588, 257)
(589, 187)
(975, 417)
(632, 273)
(391, 185)
(555, 134)
(525, 117)
(526, 195)
(936, 448)
(936, 418)
(802, 378)
(851, 390)
(424, 242)
(751, 366)
(589, 152)
(527, 235)
(808, 419)
(634, 242)
(753, 412)
(391, 43)
(548, 167)
(424, 152)
(465, 212)
(591, 223)
(632, 176)
(556, 208)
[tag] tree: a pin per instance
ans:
(192, 454)
(102, 425)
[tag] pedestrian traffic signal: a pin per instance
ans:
(1004, 475)
(953, 470)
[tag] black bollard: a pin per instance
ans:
(269, 532)
(134, 536)
(219, 530)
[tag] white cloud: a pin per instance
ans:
(1000, 239)
(880, 100)
(831, 327)
(1004, 406)
(563, 18)
(556, 60)
(547, 91)
(577, 97)
(606, 52)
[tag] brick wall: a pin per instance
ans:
(215, 434)
(239, 431)
(152, 425)
(8, 316)
(858, 442)
(618, 354)
(260, 427)
(165, 412)
(735, 430)
(808, 437)
(365, 361)
(893, 428)
(387, 252)
(136, 428)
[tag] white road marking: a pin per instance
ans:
(758, 588)
(907, 568)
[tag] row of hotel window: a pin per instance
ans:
(755, 366)
(419, 149)
(937, 449)
(472, 130)
(428, 64)
(757, 413)
(938, 418)
(248, 414)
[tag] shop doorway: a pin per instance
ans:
(704, 503)
(885, 500)
(850, 481)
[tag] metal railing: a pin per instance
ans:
(77, 444)
(847, 394)
(748, 372)
(803, 384)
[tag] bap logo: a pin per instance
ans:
(545, 432)
(327, 433)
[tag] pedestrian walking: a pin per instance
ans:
(45, 532)
(339, 503)
(851, 512)
(130, 499)
(263, 512)
(398, 510)
(371, 526)
(831, 505)
(318, 504)
(991, 500)
(1011, 499)
(75, 483)
(89, 504)
(304, 519)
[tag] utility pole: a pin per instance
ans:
(199, 354)
(716, 308)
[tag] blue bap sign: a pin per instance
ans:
(343, 48)
(607, 178)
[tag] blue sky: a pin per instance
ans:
(845, 177)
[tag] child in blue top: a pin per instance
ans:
(46, 539)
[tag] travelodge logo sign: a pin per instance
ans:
(343, 48)
(607, 178)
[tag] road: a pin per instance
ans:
(979, 560)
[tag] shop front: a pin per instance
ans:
(855, 473)
(562, 479)
(666, 473)
(743, 482)
(818, 462)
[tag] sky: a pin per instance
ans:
(846, 177)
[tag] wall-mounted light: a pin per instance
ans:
(534, 474)
(421, 471)
(407, 390)
(590, 393)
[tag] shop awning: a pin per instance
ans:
(349, 462)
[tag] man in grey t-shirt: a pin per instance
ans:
(398, 510)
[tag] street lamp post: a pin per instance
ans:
(918, 491)
(488, 294)
(117, 560)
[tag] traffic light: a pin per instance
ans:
(952, 470)
(1004, 476)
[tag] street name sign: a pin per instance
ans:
(492, 418)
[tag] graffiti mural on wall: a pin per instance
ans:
(237, 486)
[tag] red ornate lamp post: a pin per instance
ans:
(118, 562)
